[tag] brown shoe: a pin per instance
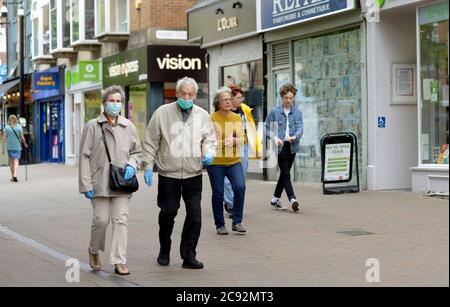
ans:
(94, 262)
(121, 269)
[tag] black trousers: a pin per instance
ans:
(285, 161)
(170, 192)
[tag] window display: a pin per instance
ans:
(434, 83)
(328, 77)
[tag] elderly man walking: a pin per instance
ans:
(180, 140)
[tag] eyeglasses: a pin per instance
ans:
(225, 100)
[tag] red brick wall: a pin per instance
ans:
(161, 14)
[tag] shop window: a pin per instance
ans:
(137, 108)
(112, 17)
(249, 76)
(328, 78)
(91, 105)
(434, 106)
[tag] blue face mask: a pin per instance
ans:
(113, 109)
(185, 104)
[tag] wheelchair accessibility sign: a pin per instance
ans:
(382, 122)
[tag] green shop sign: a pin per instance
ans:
(126, 68)
(85, 71)
(90, 71)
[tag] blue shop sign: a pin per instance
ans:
(274, 14)
(47, 84)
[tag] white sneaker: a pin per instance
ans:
(295, 205)
(277, 205)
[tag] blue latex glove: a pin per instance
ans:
(90, 195)
(148, 177)
(209, 158)
(130, 172)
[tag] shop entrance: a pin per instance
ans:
(52, 132)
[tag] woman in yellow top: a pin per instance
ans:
(252, 148)
(227, 163)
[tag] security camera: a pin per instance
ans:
(4, 11)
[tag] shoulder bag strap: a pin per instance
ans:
(106, 144)
(14, 130)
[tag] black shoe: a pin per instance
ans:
(163, 259)
(15, 179)
(192, 264)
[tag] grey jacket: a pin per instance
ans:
(124, 146)
(178, 147)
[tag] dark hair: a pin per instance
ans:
(235, 90)
(288, 88)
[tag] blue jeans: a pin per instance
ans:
(229, 195)
(235, 174)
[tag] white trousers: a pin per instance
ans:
(116, 210)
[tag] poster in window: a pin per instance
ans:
(404, 85)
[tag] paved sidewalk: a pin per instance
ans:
(327, 244)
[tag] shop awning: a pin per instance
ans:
(7, 86)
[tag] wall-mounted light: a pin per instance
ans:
(138, 4)
(237, 4)
(219, 11)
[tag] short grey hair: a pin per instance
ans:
(115, 89)
(186, 81)
(219, 93)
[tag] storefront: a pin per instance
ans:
(227, 30)
(432, 173)
(10, 105)
(83, 103)
(149, 75)
(320, 48)
(408, 97)
(48, 94)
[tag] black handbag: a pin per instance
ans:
(116, 174)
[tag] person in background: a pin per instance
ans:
(227, 164)
(252, 148)
(180, 140)
(94, 177)
(12, 140)
(289, 122)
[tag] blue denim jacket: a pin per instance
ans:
(277, 116)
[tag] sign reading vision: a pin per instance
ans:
(274, 14)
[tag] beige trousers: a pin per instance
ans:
(116, 210)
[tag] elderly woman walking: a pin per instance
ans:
(227, 163)
(125, 150)
(12, 139)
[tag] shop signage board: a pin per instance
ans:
(47, 83)
(275, 14)
(126, 68)
(171, 63)
(338, 154)
(90, 71)
(222, 22)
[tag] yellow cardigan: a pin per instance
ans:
(254, 143)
